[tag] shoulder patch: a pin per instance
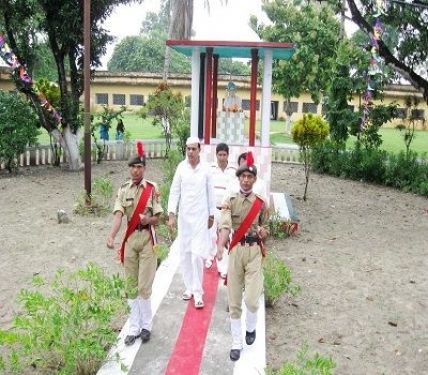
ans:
(125, 184)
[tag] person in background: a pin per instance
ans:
(223, 175)
(259, 187)
(192, 193)
(137, 200)
(120, 130)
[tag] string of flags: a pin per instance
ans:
(375, 63)
(12, 60)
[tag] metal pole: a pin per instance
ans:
(87, 94)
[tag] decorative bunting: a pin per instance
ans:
(375, 62)
(19, 69)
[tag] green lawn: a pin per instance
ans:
(393, 139)
(139, 129)
(143, 129)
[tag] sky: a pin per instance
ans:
(223, 22)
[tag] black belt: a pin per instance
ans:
(249, 240)
(142, 227)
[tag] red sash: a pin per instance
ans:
(135, 219)
(246, 223)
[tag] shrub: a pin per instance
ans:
(277, 279)
(99, 203)
(280, 228)
(18, 128)
(305, 365)
(66, 328)
(309, 132)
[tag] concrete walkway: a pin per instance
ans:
(174, 333)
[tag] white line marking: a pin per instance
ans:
(161, 284)
(253, 358)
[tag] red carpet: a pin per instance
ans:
(187, 355)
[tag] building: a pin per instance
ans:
(133, 90)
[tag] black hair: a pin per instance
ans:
(242, 156)
(222, 147)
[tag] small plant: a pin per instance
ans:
(277, 279)
(280, 228)
(65, 327)
(99, 202)
(309, 132)
(305, 365)
(168, 167)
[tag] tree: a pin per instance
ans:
(60, 21)
(18, 128)
(169, 112)
(145, 54)
(409, 56)
(317, 34)
(309, 132)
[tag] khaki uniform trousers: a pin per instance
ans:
(140, 262)
(245, 273)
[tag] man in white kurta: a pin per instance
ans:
(192, 193)
(223, 175)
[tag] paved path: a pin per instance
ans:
(186, 341)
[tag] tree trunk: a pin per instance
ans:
(70, 144)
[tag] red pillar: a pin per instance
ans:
(253, 96)
(208, 95)
(215, 99)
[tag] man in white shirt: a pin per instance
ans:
(192, 193)
(223, 175)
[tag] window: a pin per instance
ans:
(309, 108)
(402, 113)
(101, 98)
(188, 101)
(136, 99)
(119, 99)
(292, 107)
(418, 114)
(246, 105)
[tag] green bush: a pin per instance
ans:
(405, 171)
(65, 327)
(305, 365)
(100, 202)
(18, 128)
(277, 279)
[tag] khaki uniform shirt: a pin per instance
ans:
(236, 208)
(128, 197)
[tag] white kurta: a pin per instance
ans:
(192, 192)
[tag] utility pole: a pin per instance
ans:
(87, 96)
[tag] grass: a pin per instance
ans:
(138, 127)
(393, 139)
(143, 129)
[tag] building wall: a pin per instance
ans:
(133, 90)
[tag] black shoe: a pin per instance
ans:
(130, 339)
(250, 337)
(145, 335)
(235, 354)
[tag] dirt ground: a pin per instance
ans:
(360, 258)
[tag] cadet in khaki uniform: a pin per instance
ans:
(140, 261)
(245, 274)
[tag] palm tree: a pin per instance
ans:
(180, 24)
